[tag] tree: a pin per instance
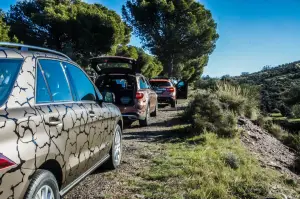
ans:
(266, 68)
(150, 66)
(4, 30)
(78, 29)
(176, 31)
(244, 73)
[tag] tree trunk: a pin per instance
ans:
(170, 67)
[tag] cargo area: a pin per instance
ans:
(123, 86)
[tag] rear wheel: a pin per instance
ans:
(114, 160)
(145, 121)
(173, 104)
(43, 185)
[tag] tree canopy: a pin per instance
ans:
(76, 28)
(150, 66)
(176, 31)
(4, 30)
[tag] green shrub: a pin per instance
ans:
(296, 110)
(242, 100)
(217, 110)
(232, 160)
(292, 141)
(276, 131)
(297, 164)
(207, 113)
(263, 121)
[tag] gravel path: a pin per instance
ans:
(140, 145)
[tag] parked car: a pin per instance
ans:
(133, 93)
(168, 90)
(56, 127)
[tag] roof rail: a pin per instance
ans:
(27, 47)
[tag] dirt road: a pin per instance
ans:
(140, 145)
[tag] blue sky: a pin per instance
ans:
(253, 33)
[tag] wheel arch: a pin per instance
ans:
(54, 167)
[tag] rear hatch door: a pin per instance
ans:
(114, 65)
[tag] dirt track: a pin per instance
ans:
(140, 145)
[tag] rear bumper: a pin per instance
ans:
(165, 99)
(132, 116)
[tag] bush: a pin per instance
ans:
(242, 100)
(263, 121)
(217, 110)
(296, 110)
(207, 113)
(292, 141)
(297, 164)
(232, 160)
(276, 110)
(276, 131)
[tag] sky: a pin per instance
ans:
(253, 33)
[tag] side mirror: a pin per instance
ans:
(109, 97)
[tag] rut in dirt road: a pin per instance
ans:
(140, 145)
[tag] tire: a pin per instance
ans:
(115, 158)
(145, 121)
(173, 104)
(153, 114)
(42, 180)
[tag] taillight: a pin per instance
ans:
(5, 162)
(171, 90)
(139, 95)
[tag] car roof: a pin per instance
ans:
(113, 57)
(18, 54)
(15, 50)
(160, 80)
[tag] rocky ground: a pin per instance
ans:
(270, 151)
(141, 145)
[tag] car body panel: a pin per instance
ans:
(28, 139)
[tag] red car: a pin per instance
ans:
(132, 91)
(168, 90)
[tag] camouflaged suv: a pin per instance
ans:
(55, 126)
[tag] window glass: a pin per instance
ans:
(82, 86)
(58, 84)
(9, 69)
(42, 93)
(160, 83)
(143, 84)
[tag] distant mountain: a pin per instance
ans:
(275, 84)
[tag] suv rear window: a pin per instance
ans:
(160, 83)
(9, 69)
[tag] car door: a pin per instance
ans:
(182, 89)
(63, 117)
(143, 89)
(152, 96)
(100, 123)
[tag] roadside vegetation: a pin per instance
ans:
(207, 166)
(211, 162)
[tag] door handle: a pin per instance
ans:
(54, 121)
(92, 114)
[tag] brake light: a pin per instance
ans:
(171, 90)
(5, 162)
(139, 95)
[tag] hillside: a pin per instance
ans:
(275, 84)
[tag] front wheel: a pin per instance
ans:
(43, 185)
(114, 160)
